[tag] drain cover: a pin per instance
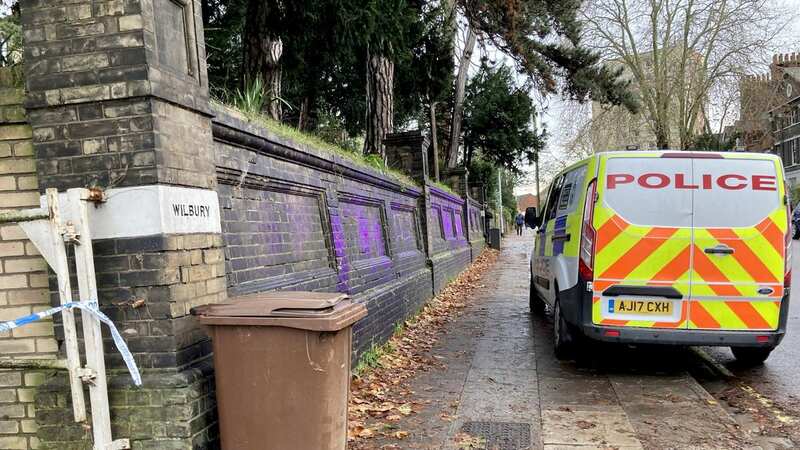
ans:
(500, 435)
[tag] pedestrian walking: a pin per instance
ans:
(520, 221)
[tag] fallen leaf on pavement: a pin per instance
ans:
(381, 392)
(400, 434)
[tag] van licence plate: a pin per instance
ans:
(645, 307)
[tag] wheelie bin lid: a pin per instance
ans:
(316, 311)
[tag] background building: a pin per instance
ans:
(525, 201)
(762, 94)
(769, 116)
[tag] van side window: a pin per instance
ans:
(563, 202)
(553, 199)
(574, 181)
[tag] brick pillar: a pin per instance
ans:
(408, 152)
(457, 180)
(118, 98)
(478, 192)
(23, 276)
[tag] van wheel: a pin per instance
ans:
(751, 356)
(796, 234)
(565, 337)
(536, 303)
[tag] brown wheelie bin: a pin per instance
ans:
(282, 363)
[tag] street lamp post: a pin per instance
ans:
(536, 168)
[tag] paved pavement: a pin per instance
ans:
(500, 387)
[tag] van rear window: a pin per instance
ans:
(635, 190)
(681, 192)
(743, 192)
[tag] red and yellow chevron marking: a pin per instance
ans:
(635, 255)
(724, 288)
(733, 315)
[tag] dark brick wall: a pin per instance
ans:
(272, 234)
(106, 106)
(147, 287)
(280, 200)
(174, 410)
(447, 227)
(126, 142)
(475, 225)
(451, 250)
(95, 144)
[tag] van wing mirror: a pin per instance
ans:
(531, 217)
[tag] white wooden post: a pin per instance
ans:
(92, 336)
(61, 268)
(45, 229)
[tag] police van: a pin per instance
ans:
(665, 247)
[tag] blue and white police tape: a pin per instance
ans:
(93, 309)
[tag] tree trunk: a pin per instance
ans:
(662, 136)
(434, 142)
(380, 103)
(262, 54)
(458, 105)
(302, 120)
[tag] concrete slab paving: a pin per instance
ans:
(577, 390)
(588, 428)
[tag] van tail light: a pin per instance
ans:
(588, 234)
(787, 249)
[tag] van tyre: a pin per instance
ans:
(751, 356)
(565, 337)
(796, 233)
(536, 303)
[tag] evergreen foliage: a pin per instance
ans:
(497, 120)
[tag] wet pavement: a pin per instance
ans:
(497, 384)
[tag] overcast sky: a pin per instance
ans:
(554, 108)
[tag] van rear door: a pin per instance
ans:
(740, 221)
(689, 241)
(642, 265)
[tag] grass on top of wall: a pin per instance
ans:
(444, 187)
(292, 134)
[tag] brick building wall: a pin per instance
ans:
(23, 276)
